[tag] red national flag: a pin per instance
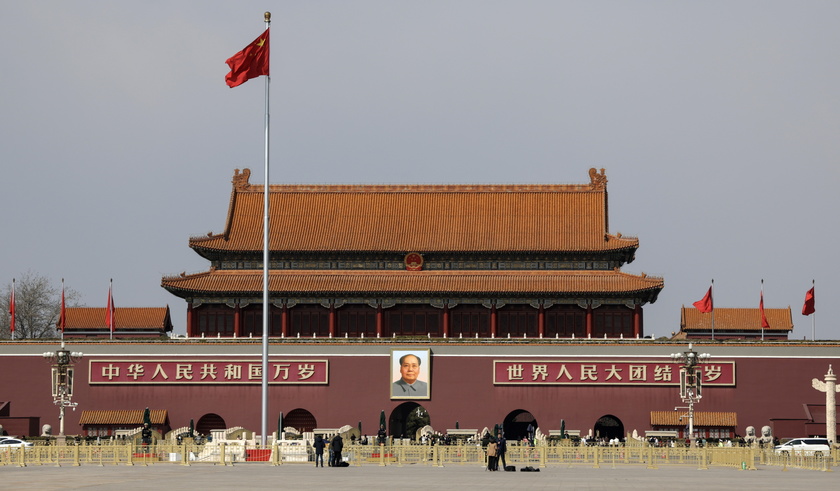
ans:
(764, 323)
(705, 304)
(808, 307)
(249, 63)
(110, 312)
(62, 317)
(12, 310)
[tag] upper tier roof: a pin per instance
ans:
(422, 218)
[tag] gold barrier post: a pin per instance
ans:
(276, 458)
(751, 457)
(381, 455)
(222, 449)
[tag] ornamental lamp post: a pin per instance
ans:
(691, 382)
(62, 362)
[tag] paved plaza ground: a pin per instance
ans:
(292, 477)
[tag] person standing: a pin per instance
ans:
(381, 435)
(319, 450)
(501, 451)
(492, 455)
(335, 450)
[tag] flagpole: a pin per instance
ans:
(12, 311)
(266, 305)
(813, 319)
(111, 309)
(762, 307)
(61, 315)
(713, 309)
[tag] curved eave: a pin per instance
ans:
(448, 282)
(210, 247)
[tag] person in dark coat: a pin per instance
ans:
(501, 450)
(336, 447)
(319, 450)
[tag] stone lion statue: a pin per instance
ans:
(750, 438)
(46, 430)
(766, 435)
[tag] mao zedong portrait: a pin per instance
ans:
(408, 385)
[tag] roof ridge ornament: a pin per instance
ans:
(597, 181)
(240, 180)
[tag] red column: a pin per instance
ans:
(541, 320)
(493, 321)
(190, 328)
(637, 321)
(237, 320)
(332, 320)
(446, 320)
(380, 317)
(589, 321)
(284, 320)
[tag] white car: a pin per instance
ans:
(14, 443)
(804, 446)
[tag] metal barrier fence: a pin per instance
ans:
(430, 455)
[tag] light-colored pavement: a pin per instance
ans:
(306, 477)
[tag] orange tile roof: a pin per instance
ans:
(424, 218)
(701, 418)
(123, 417)
(389, 281)
(128, 318)
(735, 319)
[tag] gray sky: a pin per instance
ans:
(717, 123)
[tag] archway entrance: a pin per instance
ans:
(301, 420)
(518, 423)
(406, 419)
(609, 427)
(210, 421)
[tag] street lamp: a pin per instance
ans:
(62, 362)
(691, 382)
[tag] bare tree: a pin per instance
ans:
(37, 307)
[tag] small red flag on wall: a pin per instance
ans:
(808, 307)
(705, 304)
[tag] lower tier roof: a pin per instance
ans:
(567, 283)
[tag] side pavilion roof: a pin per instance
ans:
(736, 319)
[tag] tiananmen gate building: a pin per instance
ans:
(511, 298)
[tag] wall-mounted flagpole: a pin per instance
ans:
(266, 304)
(761, 310)
(813, 317)
(711, 289)
(12, 320)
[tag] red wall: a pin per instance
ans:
(462, 390)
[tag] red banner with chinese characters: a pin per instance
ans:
(207, 371)
(564, 372)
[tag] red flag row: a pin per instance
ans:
(706, 305)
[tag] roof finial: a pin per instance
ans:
(240, 180)
(598, 181)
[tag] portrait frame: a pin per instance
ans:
(422, 388)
